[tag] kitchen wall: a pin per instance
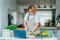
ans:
(45, 15)
(21, 11)
(57, 8)
(15, 17)
(4, 6)
(41, 13)
(24, 4)
(0, 16)
(36, 2)
(21, 8)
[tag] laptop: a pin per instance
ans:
(19, 33)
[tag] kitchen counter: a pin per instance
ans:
(47, 27)
(40, 28)
(29, 38)
(5, 38)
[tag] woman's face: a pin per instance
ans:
(32, 11)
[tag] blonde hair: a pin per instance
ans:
(31, 7)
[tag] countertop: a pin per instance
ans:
(7, 38)
(29, 38)
(41, 28)
(47, 27)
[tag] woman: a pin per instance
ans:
(31, 20)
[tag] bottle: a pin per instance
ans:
(52, 23)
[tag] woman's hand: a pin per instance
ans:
(35, 27)
(28, 32)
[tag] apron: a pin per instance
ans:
(31, 24)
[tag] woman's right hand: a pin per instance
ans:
(28, 32)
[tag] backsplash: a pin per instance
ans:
(45, 15)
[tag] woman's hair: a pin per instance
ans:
(31, 7)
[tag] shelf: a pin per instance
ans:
(53, 28)
(45, 8)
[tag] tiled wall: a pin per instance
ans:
(44, 16)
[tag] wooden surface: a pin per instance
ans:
(20, 28)
(47, 27)
(58, 27)
(41, 28)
